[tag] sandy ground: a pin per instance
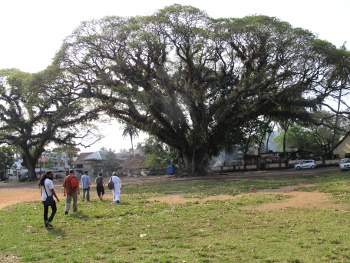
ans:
(16, 192)
(298, 199)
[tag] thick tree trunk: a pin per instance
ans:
(245, 153)
(193, 162)
(30, 163)
(31, 171)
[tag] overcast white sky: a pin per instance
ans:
(32, 31)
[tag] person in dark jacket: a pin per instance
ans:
(100, 186)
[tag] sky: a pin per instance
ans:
(32, 31)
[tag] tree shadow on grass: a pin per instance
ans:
(121, 204)
(80, 215)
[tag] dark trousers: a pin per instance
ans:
(46, 212)
(100, 191)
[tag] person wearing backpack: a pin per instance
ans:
(71, 191)
(100, 186)
(117, 186)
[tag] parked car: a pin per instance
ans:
(306, 164)
(344, 164)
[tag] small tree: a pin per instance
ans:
(131, 131)
(6, 159)
(315, 138)
(159, 153)
(111, 163)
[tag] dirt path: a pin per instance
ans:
(16, 192)
(299, 199)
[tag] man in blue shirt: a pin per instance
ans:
(85, 183)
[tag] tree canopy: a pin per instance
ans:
(131, 131)
(191, 80)
(6, 160)
(159, 154)
(316, 138)
(36, 110)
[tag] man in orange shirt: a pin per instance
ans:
(70, 193)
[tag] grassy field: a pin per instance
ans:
(138, 230)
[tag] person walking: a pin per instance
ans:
(85, 184)
(100, 186)
(117, 187)
(71, 192)
(46, 186)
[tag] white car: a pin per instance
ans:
(306, 164)
(344, 164)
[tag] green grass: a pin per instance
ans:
(138, 230)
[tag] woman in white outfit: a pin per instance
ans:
(117, 187)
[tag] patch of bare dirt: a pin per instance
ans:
(173, 199)
(302, 199)
(313, 199)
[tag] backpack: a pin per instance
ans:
(110, 184)
(99, 182)
(74, 182)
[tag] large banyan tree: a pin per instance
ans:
(192, 80)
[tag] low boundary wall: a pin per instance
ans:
(270, 166)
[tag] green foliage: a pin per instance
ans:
(132, 132)
(193, 81)
(159, 153)
(318, 138)
(297, 136)
(6, 157)
(111, 163)
(39, 109)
